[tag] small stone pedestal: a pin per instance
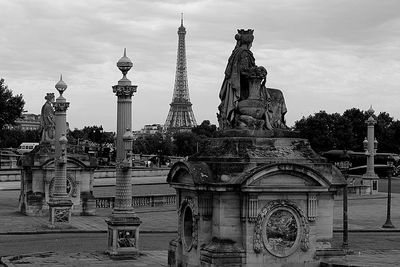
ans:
(371, 182)
(123, 237)
(60, 212)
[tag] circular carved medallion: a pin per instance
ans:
(70, 187)
(281, 228)
(281, 232)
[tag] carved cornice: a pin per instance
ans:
(124, 90)
(61, 106)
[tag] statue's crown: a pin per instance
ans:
(49, 96)
(243, 31)
(245, 36)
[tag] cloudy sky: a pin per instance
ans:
(324, 55)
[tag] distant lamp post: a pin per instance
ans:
(344, 164)
(159, 153)
(370, 144)
(390, 164)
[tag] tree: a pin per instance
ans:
(394, 130)
(347, 131)
(318, 129)
(95, 134)
(205, 129)
(357, 119)
(14, 137)
(384, 132)
(185, 143)
(11, 107)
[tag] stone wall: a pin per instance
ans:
(10, 174)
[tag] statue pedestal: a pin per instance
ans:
(123, 235)
(253, 201)
(60, 211)
(37, 182)
(371, 180)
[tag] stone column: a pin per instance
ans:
(123, 225)
(60, 204)
(370, 178)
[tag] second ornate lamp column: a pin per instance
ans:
(60, 204)
(123, 224)
(370, 144)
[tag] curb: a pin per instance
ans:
(77, 231)
(73, 231)
(368, 231)
(9, 189)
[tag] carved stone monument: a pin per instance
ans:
(258, 195)
(245, 101)
(47, 120)
(42, 166)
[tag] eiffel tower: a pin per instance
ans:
(180, 116)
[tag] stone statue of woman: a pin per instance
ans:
(235, 82)
(245, 101)
(48, 119)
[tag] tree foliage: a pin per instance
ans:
(185, 143)
(95, 134)
(178, 144)
(347, 131)
(14, 137)
(11, 106)
(152, 144)
(205, 129)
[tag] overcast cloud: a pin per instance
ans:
(324, 55)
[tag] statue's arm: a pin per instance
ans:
(244, 63)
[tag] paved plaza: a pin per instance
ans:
(366, 214)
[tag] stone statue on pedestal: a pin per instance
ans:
(256, 194)
(245, 101)
(48, 119)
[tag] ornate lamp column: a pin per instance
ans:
(344, 164)
(60, 204)
(370, 146)
(123, 224)
(388, 223)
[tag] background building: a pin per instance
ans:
(27, 122)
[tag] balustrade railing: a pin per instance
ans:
(140, 201)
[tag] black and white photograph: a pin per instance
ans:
(200, 133)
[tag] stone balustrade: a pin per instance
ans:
(140, 201)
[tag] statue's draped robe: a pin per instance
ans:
(276, 107)
(234, 83)
(235, 88)
(48, 122)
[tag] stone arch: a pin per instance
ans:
(190, 173)
(302, 173)
(70, 160)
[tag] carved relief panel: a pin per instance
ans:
(281, 228)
